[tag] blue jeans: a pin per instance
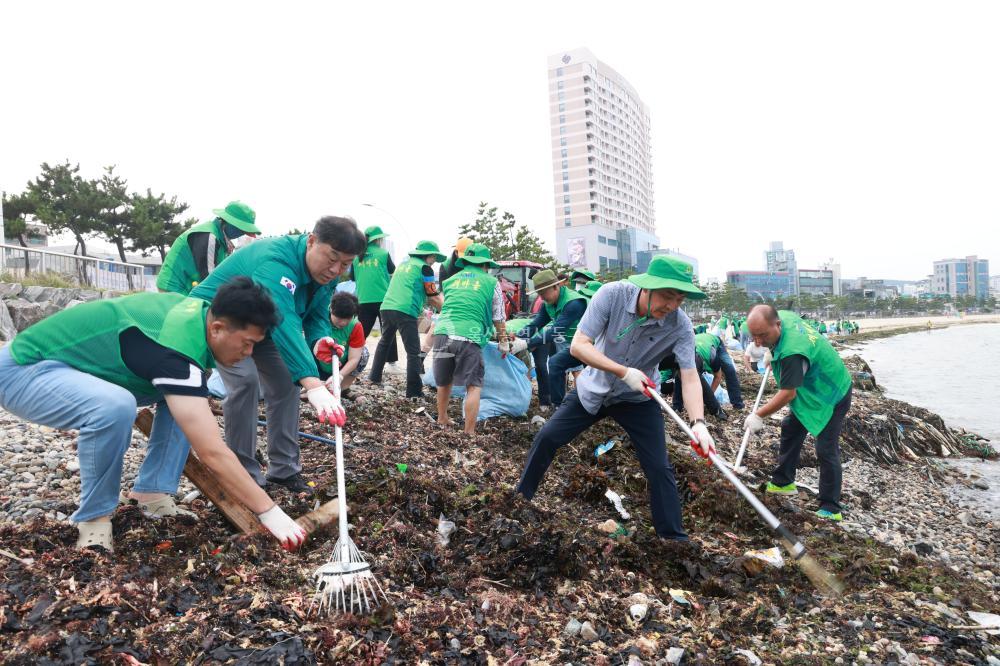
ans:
(643, 421)
(725, 363)
(54, 394)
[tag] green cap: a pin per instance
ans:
(426, 247)
(543, 280)
(591, 288)
(374, 232)
(666, 272)
(477, 254)
(581, 273)
(240, 216)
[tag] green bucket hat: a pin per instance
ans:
(374, 232)
(426, 247)
(591, 288)
(581, 273)
(240, 216)
(478, 255)
(543, 280)
(666, 272)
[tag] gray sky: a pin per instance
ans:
(864, 131)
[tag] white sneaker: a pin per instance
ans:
(393, 369)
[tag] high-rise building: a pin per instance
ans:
(816, 281)
(601, 163)
(762, 284)
(643, 257)
(834, 268)
(779, 260)
(962, 277)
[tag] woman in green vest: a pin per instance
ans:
(473, 309)
(88, 367)
(814, 383)
(197, 251)
(372, 272)
(412, 285)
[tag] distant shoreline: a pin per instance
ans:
(874, 329)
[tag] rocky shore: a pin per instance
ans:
(517, 583)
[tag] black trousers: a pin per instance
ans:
(367, 314)
(793, 434)
(392, 321)
(643, 421)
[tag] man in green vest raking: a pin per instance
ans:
(197, 251)
(372, 272)
(473, 309)
(556, 321)
(299, 272)
(88, 367)
(814, 383)
(411, 286)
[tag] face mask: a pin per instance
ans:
(231, 232)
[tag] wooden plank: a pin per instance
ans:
(235, 512)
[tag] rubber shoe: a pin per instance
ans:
(165, 507)
(94, 533)
(836, 517)
(294, 483)
(790, 489)
(393, 369)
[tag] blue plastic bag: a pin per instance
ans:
(506, 388)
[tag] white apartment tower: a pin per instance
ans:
(601, 163)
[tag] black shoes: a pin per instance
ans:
(295, 483)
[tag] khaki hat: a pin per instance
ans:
(543, 280)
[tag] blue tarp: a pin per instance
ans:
(506, 388)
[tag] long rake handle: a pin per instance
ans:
(793, 544)
(345, 555)
(756, 404)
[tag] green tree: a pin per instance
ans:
(16, 209)
(114, 219)
(64, 201)
(154, 227)
(507, 239)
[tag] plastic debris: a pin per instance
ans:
(537, 420)
(616, 500)
(751, 658)
(588, 633)
(680, 596)
(402, 467)
(675, 655)
(638, 611)
(986, 620)
(604, 448)
(770, 556)
(444, 530)
(572, 627)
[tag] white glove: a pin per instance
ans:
(638, 381)
(518, 345)
(504, 347)
(328, 408)
(768, 358)
(754, 423)
(705, 441)
(288, 532)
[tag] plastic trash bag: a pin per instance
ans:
(506, 388)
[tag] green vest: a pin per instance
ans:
(86, 337)
(827, 380)
(371, 274)
(406, 288)
(468, 305)
(179, 273)
(744, 329)
(341, 335)
(565, 296)
(703, 345)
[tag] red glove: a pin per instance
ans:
(326, 348)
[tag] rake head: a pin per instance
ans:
(346, 584)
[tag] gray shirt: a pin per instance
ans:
(611, 311)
